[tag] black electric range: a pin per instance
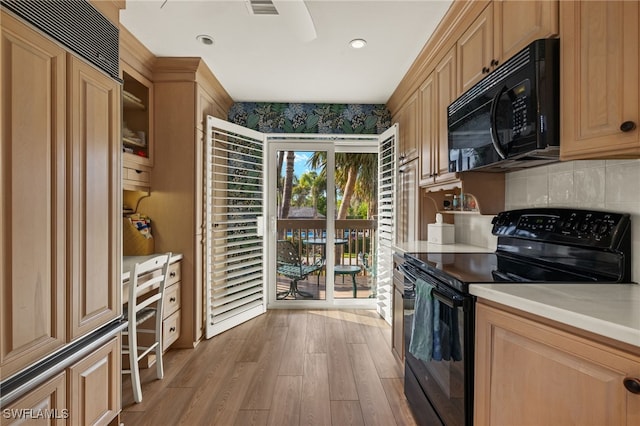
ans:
(540, 245)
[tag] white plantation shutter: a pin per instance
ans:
(386, 218)
(233, 248)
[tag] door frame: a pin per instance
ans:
(332, 144)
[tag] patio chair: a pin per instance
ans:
(290, 265)
(370, 267)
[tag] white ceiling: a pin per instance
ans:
(273, 58)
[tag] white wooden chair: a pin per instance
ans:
(145, 300)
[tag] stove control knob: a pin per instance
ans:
(603, 229)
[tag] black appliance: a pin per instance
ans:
(509, 119)
(534, 245)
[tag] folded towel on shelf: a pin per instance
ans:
(421, 345)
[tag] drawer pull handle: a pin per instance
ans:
(172, 299)
(627, 126)
(138, 171)
(172, 329)
(172, 274)
(632, 384)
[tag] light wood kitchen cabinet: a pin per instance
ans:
(600, 94)
(501, 30)
(530, 372)
(184, 90)
(397, 322)
(50, 398)
(475, 50)
(136, 62)
(518, 23)
(33, 219)
(436, 93)
(94, 386)
(93, 212)
(446, 92)
(408, 120)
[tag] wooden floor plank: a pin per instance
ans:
(394, 390)
(342, 386)
(315, 406)
(316, 340)
(339, 384)
(252, 418)
(220, 402)
(376, 409)
(287, 394)
(352, 326)
(260, 391)
(292, 361)
(346, 413)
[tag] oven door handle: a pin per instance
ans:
(452, 302)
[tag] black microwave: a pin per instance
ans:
(509, 119)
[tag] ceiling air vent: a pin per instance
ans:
(261, 7)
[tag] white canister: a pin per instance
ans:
(440, 232)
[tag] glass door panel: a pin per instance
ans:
(301, 225)
(356, 216)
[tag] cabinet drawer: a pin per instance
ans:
(170, 330)
(174, 273)
(171, 300)
(136, 175)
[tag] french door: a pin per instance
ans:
(242, 202)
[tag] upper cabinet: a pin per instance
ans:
(137, 117)
(475, 50)
(599, 79)
(501, 30)
(136, 62)
(408, 119)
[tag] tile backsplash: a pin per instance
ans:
(612, 185)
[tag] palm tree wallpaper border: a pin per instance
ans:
(311, 118)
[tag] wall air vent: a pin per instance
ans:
(261, 7)
(77, 25)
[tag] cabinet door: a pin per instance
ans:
(137, 119)
(428, 130)
(475, 50)
(408, 138)
(46, 404)
(531, 373)
(518, 23)
(599, 79)
(94, 150)
(32, 206)
(94, 386)
(447, 92)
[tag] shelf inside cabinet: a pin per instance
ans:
(137, 126)
(130, 101)
(485, 193)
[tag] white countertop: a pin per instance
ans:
(611, 310)
(129, 261)
(426, 247)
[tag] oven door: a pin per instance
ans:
(445, 383)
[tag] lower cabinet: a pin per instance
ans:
(86, 393)
(532, 373)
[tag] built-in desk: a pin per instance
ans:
(171, 314)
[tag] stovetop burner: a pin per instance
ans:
(541, 245)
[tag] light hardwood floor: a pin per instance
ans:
(286, 367)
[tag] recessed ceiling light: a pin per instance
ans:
(205, 39)
(358, 43)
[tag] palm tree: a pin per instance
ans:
(353, 172)
(288, 185)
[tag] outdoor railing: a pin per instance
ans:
(359, 235)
